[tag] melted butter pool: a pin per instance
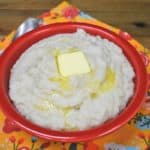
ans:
(46, 105)
(109, 82)
(64, 82)
(106, 85)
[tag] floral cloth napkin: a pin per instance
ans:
(135, 135)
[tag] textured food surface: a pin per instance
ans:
(76, 102)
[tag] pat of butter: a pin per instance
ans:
(72, 64)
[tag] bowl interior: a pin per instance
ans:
(14, 51)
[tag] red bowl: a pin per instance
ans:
(13, 52)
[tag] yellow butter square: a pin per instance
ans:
(72, 64)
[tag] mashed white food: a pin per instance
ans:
(77, 102)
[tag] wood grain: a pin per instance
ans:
(132, 16)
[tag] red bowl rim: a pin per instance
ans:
(120, 120)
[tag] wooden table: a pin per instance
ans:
(132, 16)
